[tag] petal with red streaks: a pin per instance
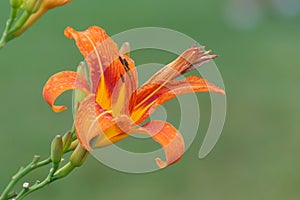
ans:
(107, 66)
(97, 126)
(152, 95)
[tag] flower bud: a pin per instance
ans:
(32, 6)
(15, 3)
(78, 95)
(56, 149)
(67, 140)
(78, 156)
(37, 8)
(49, 4)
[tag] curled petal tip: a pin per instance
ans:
(61, 82)
(169, 138)
(69, 32)
(161, 164)
(58, 109)
(213, 56)
(217, 90)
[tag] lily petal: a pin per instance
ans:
(86, 121)
(162, 86)
(169, 138)
(61, 82)
(93, 124)
(187, 85)
(87, 42)
(153, 95)
(188, 60)
(107, 65)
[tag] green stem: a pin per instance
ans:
(77, 158)
(11, 195)
(9, 31)
(7, 34)
(13, 15)
(20, 22)
(52, 176)
(22, 172)
(2, 43)
(63, 172)
(4, 35)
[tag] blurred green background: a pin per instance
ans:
(257, 157)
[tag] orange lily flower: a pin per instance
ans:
(114, 106)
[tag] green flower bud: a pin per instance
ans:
(78, 156)
(73, 145)
(15, 3)
(78, 95)
(67, 140)
(32, 6)
(56, 149)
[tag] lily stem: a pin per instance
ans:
(13, 25)
(64, 171)
(22, 172)
(78, 157)
(13, 16)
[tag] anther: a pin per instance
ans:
(121, 60)
(126, 64)
(122, 78)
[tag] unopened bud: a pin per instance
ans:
(67, 140)
(78, 95)
(82, 70)
(56, 149)
(49, 4)
(78, 156)
(32, 6)
(15, 3)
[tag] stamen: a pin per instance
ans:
(126, 63)
(121, 60)
(122, 78)
(126, 66)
